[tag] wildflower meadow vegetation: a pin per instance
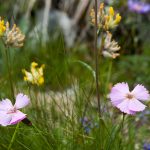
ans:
(74, 75)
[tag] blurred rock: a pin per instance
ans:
(59, 22)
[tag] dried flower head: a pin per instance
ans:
(2, 27)
(100, 16)
(14, 36)
(129, 102)
(110, 47)
(36, 74)
(105, 19)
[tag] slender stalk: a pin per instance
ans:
(36, 97)
(96, 62)
(121, 128)
(9, 73)
(29, 91)
(108, 76)
(13, 137)
(122, 124)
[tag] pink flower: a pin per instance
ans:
(10, 114)
(129, 102)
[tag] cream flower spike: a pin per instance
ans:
(110, 47)
(14, 36)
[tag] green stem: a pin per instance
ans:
(9, 73)
(123, 117)
(121, 129)
(35, 88)
(97, 62)
(108, 76)
(13, 137)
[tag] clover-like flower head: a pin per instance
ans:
(107, 19)
(14, 36)
(111, 47)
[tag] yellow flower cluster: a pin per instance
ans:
(36, 74)
(105, 19)
(12, 37)
(2, 27)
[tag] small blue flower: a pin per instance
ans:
(87, 130)
(146, 146)
(87, 124)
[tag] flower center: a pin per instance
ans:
(11, 110)
(129, 96)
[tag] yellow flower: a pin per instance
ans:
(105, 19)
(111, 20)
(118, 18)
(111, 11)
(36, 74)
(2, 27)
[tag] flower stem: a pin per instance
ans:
(121, 129)
(13, 137)
(122, 124)
(9, 73)
(108, 76)
(96, 62)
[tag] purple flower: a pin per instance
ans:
(138, 6)
(129, 102)
(146, 146)
(10, 114)
(87, 124)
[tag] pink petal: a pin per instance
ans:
(17, 117)
(124, 107)
(132, 112)
(122, 87)
(141, 93)
(21, 101)
(135, 105)
(5, 105)
(118, 93)
(116, 97)
(5, 118)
